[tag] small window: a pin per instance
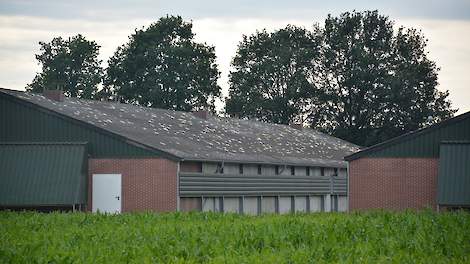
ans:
(259, 169)
(322, 171)
(240, 168)
(276, 169)
(220, 168)
(307, 171)
(292, 170)
(336, 172)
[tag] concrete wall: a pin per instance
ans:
(327, 203)
(231, 204)
(147, 184)
(342, 203)
(393, 183)
(301, 204)
(250, 205)
(268, 205)
(285, 204)
(315, 171)
(316, 203)
(250, 169)
(210, 204)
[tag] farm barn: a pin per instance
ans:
(426, 168)
(59, 152)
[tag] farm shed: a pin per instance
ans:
(425, 168)
(140, 158)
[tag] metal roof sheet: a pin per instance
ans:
(42, 174)
(191, 138)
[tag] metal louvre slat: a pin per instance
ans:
(258, 184)
(267, 180)
(272, 176)
(256, 193)
(228, 184)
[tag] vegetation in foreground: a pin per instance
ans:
(424, 237)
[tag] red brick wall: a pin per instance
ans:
(393, 183)
(147, 184)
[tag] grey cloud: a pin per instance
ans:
(125, 9)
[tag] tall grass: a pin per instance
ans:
(384, 237)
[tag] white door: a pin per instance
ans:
(106, 193)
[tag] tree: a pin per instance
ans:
(70, 65)
(376, 83)
(274, 75)
(161, 66)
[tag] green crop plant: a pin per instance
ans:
(367, 237)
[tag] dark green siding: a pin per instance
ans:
(43, 174)
(425, 144)
(454, 174)
(22, 122)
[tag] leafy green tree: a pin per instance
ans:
(274, 75)
(376, 83)
(162, 66)
(70, 65)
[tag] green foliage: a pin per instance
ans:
(355, 78)
(377, 84)
(161, 66)
(374, 237)
(70, 65)
(274, 75)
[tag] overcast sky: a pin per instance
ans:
(219, 23)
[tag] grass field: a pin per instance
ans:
(373, 237)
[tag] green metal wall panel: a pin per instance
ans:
(43, 174)
(24, 123)
(425, 144)
(454, 174)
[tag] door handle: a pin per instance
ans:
(117, 197)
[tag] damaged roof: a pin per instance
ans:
(188, 137)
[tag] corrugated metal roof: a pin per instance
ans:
(454, 174)
(420, 143)
(191, 138)
(42, 174)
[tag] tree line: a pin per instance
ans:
(356, 77)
